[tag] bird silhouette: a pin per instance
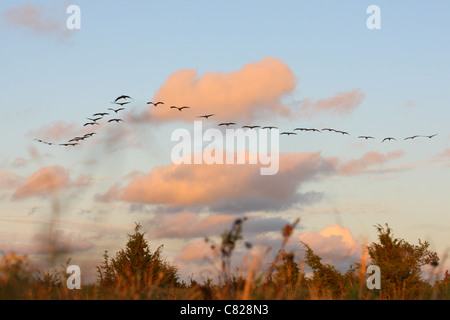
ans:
(116, 120)
(69, 144)
(388, 138)
(94, 120)
(77, 139)
(121, 103)
(90, 124)
(207, 116)
(301, 129)
(270, 127)
(116, 110)
(251, 127)
(227, 124)
(89, 135)
(365, 137)
(411, 138)
(314, 130)
(179, 109)
(101, 114)
(430, 136)
(329, 129)
(122, 97)
(155, 103)
(287, 133)
(342, 132)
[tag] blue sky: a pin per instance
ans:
(133, 47)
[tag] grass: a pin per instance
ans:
(136, 273)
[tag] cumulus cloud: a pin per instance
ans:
(368, 160)
(196, 251)
(335, 245)
(342, 104)
(253, 91)
(36, 19)
(191, 225)
(217, 185)
(49, 181)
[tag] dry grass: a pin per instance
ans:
(285, 279)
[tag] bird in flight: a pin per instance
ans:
(316, 130)
(388, 138)
(411, 138)
(179, 109)
(251, 127)
(227, 124)
(270, 127)
(122, 97)
(287, 133)
(120, 103)
(88, 135)
(94, 120)
(90, 124)
(329, 129)
(430, 136)
(366, 137)
(69, 144)
(102, 114)
(206, 116)
(116, 110)
(77, 139)
(155, 104)
(116, 120)
(301, 129)
(343, 132)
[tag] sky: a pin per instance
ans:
(290, 64)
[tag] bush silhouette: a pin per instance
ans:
(400, 264)
(136, 266)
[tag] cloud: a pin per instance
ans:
(254, 90)
(445, 154)
(49, 181)
(342, 104)
(192, 225)
(334, 244)
(59, 243)
(368, 160)
(36, 19)
(218, 185)
(196, 251)
(58, 131)
(9, 180)
(19, 162)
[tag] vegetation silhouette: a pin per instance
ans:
(136, 272)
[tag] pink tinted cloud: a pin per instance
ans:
(58, 131)
(9, 180)
(49, 181)
(188, 225)
(192, 225)
(35, 18)
(184, 184)
(335, 244)
(254, 90)
(197, 251)
(60, 242)
(367, 161)
(342, 104)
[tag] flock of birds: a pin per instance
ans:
(94, 121)
(123, 100)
